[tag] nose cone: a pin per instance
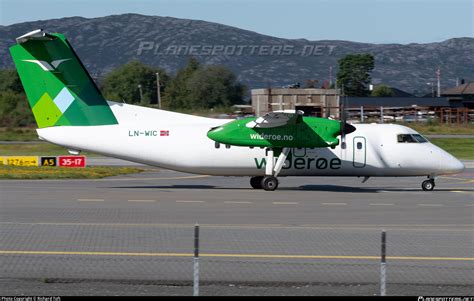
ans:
(217, 134)
(451, 165)
(447, 164)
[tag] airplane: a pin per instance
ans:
(71, 112)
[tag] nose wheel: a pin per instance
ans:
(428, 185)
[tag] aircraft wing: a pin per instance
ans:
(276, 119)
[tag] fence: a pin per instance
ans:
(415, 114)
(275, 257)
(404, 114)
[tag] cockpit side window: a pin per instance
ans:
(411, 138)
(406, 138)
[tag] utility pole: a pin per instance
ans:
(158, 93)
(330, 77)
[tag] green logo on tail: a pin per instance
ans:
(58, 87)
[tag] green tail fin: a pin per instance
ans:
(58, 87)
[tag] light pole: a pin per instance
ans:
(141, 93)
(432, 89)
(158, 93)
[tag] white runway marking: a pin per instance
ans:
(90, 200)
(142, 201)
(190, 201)
(334, 204)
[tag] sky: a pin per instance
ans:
(372, 21)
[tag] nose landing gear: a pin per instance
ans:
(428, 185)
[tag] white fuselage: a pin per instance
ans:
(179, 142)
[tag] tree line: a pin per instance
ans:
(193, 87)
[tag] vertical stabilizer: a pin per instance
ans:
(58, 87)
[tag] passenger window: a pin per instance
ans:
(359, 145)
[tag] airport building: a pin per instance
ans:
(315, 102)
(462, 95)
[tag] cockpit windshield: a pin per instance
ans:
(411, 138)
(420, 138)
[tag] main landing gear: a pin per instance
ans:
(428, 185)
(256, 182)
(270, 182)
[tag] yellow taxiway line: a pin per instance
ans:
(249, 256)
(408, 227)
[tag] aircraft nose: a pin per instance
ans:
(451, 165)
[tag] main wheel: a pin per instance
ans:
(428, 185)
(269, 183)
(256, 182)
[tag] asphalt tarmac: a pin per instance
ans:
(312, 236)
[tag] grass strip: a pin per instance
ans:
(43, 172)
(36, 149)
(460, 148)
(441, 129)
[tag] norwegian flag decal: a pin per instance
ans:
(164, 133)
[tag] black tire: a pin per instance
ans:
(256, 182)
(269, 183)
(428, 185)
